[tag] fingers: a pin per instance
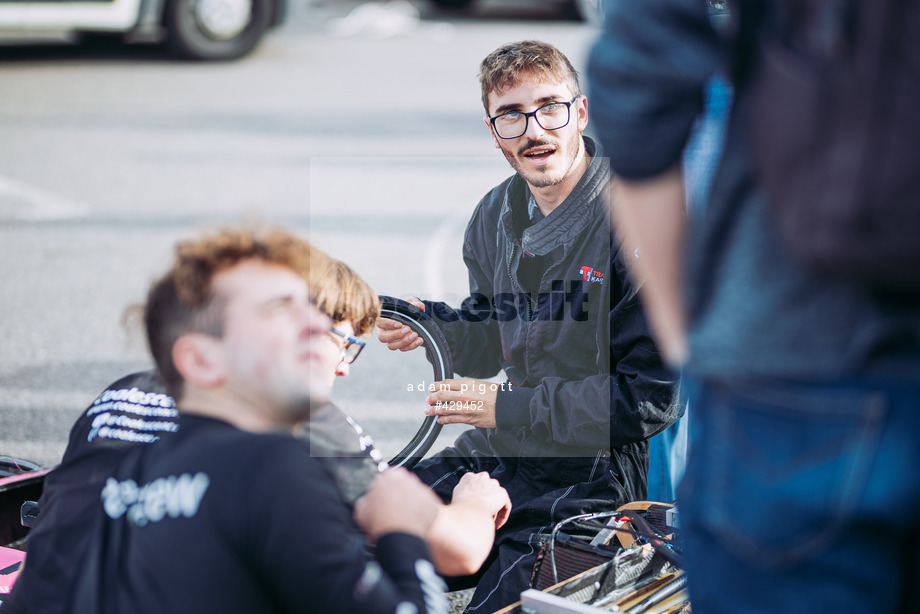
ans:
(397, 336)
(501, 517)
(463, 401)
(482, 489)
(474, 486)
(396, 501)
(455, 407)
(478, 480)
(468, 477)
(451, 390)
(453, 419)
(388, 324)
(452, 395)
(415, 302)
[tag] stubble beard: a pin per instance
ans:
(539, 177)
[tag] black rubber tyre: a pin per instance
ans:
(188, 37)
(452, 4)
(438, 354)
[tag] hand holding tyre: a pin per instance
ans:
(397, 336)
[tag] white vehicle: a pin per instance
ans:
(589, 10)
(196, 29)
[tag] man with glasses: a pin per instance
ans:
(463, 532)
(552, 305)
(351, 346)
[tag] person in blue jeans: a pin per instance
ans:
(668, 450)
(800, 490)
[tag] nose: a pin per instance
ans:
(342, 369)
(317, 322)
(534, 130)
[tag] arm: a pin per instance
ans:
(635, 400)
(651, 217)
(313, 555)
(464, 531)
(647, 72)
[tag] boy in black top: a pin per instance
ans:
(232, 513)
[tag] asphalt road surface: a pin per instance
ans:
(364, 134)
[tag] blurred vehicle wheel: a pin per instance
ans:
(215, 29)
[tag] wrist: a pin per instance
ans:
(512, 406)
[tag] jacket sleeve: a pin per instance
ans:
(471, 330)
(317, 558)
(634, 399)
(646, 75)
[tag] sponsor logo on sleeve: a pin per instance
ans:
(591, 276)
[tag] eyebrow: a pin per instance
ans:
(277, 300)
(516, 107)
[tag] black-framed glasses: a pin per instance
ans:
(551, 116)
(352, 347)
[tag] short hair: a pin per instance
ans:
(509, 64)
(183, 300)
(342, 295)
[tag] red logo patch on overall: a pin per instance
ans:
(592, 276)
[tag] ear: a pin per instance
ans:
(582, 113)
(492, 132)
(198, 360)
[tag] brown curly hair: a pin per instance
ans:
(183, 299)
(509, 64)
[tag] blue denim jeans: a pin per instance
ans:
(667, 458)
(803, 498)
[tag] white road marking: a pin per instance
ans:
(20, 201)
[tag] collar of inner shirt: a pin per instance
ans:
(535, 215)
(533, 211)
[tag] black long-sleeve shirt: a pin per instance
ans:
(215, 519)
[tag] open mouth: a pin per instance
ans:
(539, 155)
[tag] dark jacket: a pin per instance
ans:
(752, 310)
(585, 374)
(215, 519)
(136, 410)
